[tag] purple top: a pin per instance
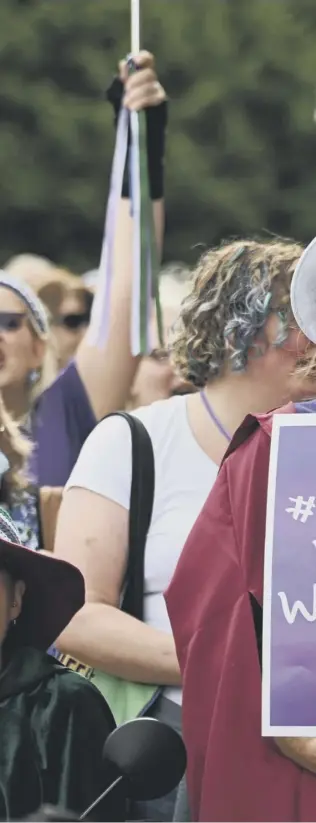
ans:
(61, 421)
(306, 406)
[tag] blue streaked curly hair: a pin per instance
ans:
(234, 289)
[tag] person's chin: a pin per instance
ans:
(5, 379)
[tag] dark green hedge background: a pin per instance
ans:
(241, 75)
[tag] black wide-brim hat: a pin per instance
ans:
(54, 592)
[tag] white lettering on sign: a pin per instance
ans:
(290, 614)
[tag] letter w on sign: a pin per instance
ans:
(289, 607)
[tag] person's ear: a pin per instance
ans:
(38, 352)
(17, 599)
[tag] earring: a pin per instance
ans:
(33, 377)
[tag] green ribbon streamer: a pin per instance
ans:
(148, 250)
(145, 208)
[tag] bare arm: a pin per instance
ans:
(302, 750)
(101, 635)
(108, 372)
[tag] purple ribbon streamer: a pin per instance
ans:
(100, 315)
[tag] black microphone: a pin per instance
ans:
(149, 759)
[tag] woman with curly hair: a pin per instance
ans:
(215, 604)
(238, 344)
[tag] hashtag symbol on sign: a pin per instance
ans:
(302, 509)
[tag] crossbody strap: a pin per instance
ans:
(141, 505)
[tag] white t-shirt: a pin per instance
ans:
(184, 476)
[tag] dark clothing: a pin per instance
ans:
(161, 809)
(53, 725)
(61, 421)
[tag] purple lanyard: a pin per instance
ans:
(213, 416)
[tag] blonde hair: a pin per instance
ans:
(174, 285)
(234, 288)
(29, 267)
(39, 318)
(15, 447)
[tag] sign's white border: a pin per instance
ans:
(279, 421)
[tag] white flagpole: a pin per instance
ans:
(135, 27)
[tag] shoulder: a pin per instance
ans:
(254, 425)
(66, 380)
(160, 416)
(159, 413)
(66, 388)
(306, 407)
(113, 432)
(104, 465)
(243, 477)
(80, 695)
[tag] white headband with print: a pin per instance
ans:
(34, 305)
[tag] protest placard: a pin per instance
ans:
(289, 612)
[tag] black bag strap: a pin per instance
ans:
(141, 505)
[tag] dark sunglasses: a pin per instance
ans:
(160, 355)
(73, 322)
(11, 320)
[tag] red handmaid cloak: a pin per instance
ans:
(214, 602)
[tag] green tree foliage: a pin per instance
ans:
(242, 141)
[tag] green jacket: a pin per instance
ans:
(53, 725)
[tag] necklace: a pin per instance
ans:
(213, 416)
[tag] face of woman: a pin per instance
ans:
(71, 326)
(155, 378)
(278, 365)
(20, 350)
(11, 595)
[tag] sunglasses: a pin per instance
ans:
(159, 355)
(11, 320)
(73, 322)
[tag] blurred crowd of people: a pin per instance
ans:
(68, 300)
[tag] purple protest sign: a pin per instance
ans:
(289, 612)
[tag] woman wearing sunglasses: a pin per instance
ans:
(67, 298)
(59, 415)
(72, 319)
